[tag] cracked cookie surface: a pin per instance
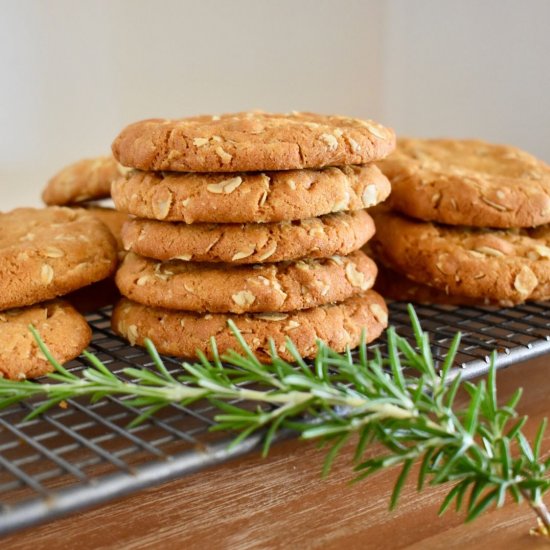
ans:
(507, 266)
(249, 197)
(251, 141)
(333, 234)
(468, 182)
(225, 288)
(85, 180)
(49, 252)
(182, 333)
(61, 327)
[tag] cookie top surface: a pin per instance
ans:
(507, 266)
(60, 326)
(48, 252)
(468, 182)
(251, 141)
(225, 288)
(183, 333)
(249, 197)
(333, 234)
(85, 180)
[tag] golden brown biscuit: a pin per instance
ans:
(394, 286)
(63, 330)
(251, 141)
(182, 333)
(48, 252)
(468, 182)
(85, 180)
(508, 266)
(244, 288)
(112, 218)
(333, 234)
(249, 197)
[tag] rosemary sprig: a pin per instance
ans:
(403, 403)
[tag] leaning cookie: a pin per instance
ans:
(333, 234)
(468, 182)
(249, 197)
(49, 252)
(508, 266)
(63, 330)
(251, 141)
(85, 180)
(225, 288)
(183, 333)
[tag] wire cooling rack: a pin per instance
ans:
(84, 454)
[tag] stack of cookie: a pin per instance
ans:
(46, 253)
(84, 182)
(467, 224)
(253, 217)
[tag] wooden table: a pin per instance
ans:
(281, 502)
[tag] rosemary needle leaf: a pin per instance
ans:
(52, 360)
(395, 363)
(146, 414)
(452, 494)
(477, 490)
(483, 504)
(270, 435)
(471, 421)
(365, 437)
(539, 437)
(96, 363)
(244, 346)
(514, 400)
(415, 323)
(143, 375)
(333, 452)
(525, 447)
(425, 467)
(451, 356)
(400, 482)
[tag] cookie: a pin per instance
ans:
(468, 182)
(113, 219)
(63, 330)
(183, 333)
(244, 288)
(48, 252)
(508, 266)
(251, 141)
(333, 234)
(88, 179)
(393, 286)
(249, 197)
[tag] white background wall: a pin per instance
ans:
(73, 73)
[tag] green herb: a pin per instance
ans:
(402, 403)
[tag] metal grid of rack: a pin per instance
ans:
(84, 454)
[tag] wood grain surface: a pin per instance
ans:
(281, 502)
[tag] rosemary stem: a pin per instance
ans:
(538, 507)
(383, 410)
(293, 397)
